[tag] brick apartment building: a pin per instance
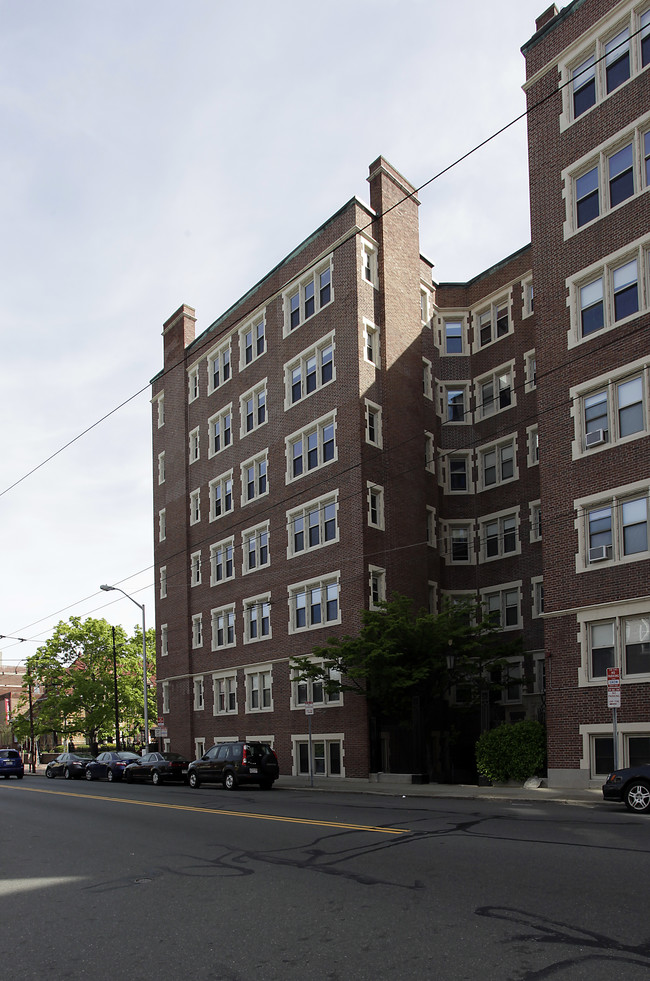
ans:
(11, 682)
(350, 429)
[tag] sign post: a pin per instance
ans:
(309, 711)
(614, 702)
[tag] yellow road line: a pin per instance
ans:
(212, 810)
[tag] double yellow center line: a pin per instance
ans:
(282, 819)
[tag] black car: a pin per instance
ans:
(110, 765)
(157, 767)
(235, 763)
(11, 764)
(70, 766)
(631, 786)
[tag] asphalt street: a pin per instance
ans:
(105, 881)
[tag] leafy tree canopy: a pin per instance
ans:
(398, 653)
(73, 682)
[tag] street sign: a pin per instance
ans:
(613, 687)
(160, 731)
(309, 708)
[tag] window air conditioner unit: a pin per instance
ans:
(595, 438)
(600, 552)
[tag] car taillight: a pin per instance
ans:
(244, 755)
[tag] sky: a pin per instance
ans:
(159, 152)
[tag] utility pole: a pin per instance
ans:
(117, 709)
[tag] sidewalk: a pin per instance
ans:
(385, 787)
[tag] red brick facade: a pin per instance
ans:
(350, 428)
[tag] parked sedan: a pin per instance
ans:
(110, 764)
(630, 786)
(70, 766)
(11, 764)
(157, 767)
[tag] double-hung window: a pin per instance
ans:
(163, 582)
(255, 477)
(257, 618)
(373, 424)
(253, 408)
(312, 525)
(377, 583)
(311, 448)
(162, 524)
(314, 604)
(458, 467)
(616, 529)
(222, 565)
(621, 175)
(195, 507)
(620, 642)
(309, 371)
(252, 340)
(195, 569)
(371, 346)
(495, 391)
(610, 293)
(583, 82)
(197, 630)
(456, 404)
(161, 467)
(220, 430)
(614, 411)
(460, 542)
(223, 627)
(308, 296)
(259, 690)
(320, 691)
(617, 60)
(587, 197)
(502, 606)
(193, 383)
(369, 268)
(499, 536)
(224, 687)
(453, 343)
(497, 464)
(164, 640)
(195, 450)
(492, 323)
(221, 496)
(219, 366)
(375, 505)
(255, 548)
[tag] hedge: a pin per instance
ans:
(513, 751)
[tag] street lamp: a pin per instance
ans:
(144, 658)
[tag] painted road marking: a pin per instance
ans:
(221, 811)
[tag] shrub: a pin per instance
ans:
(513, 751)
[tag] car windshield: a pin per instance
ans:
(9, 754)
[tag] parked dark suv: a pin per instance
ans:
(11, 764)
(235, 763)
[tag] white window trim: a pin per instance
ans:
(164, 640)
(214, 354)
(254, 461)
(197, 631)
(195, 506)
(193, 388)
(592, 42)
(221, 481)
(159, 402)
(612, 498)
(499, 517)
(446, 534)
(199, 694)
(318, 503)
(223, 545)
(444, 471)
(195, 569)
(378, 573)
(327, 701)
(498, 300)
(530, 371)
(249, 672)
(372, 407)
(165, 697)
(502, 588)
(162, 524)
(371, 337)
(535, 583)
(508, 368)
(333, 578)
(443, 389)
(431, 527)
(371, 250)
(255, 532)
(226, 610)
(615, 612)
(220, 417)
(218, 676)
(534, 508)
(598, 157)
(324, 737)
(511, 439)
(609, 381)
(453, 317)
(427, 379)
(532, 445)
(161, 468)
(318, 425)
(604, 268)
(163, 582)
(258, 602)
(251, 325)
(253, 393)
(300, 361)
(311, 275)
(527, 296)
(378, 491)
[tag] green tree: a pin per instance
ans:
(72, 682)
(400, 658)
